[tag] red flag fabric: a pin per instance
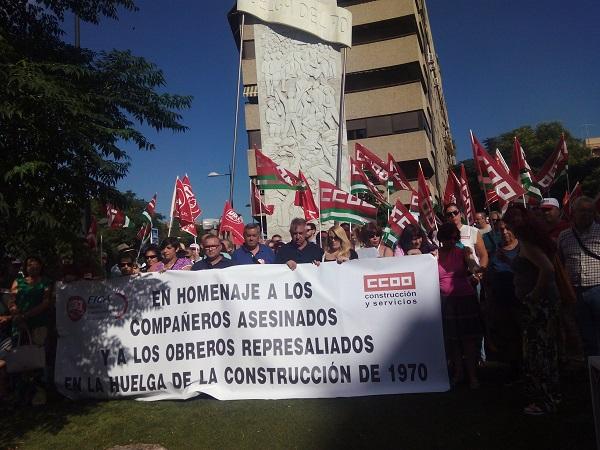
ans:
(493, 176)
(399, 218)
(272, 176)
(570, 198)
(189, 228)
(181, 208)
(343, 206)
(258, 206)
(151, 206)
(116, 217)
(304, 198)
(195, 210)
(144, 232)
(554, 165)
(414, 202)
(91, 233)
(425, 203)
(397, 180)
(370, 161)
(465, 196)
(453, 189)
(360, 183)
(232, 222)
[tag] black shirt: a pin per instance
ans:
(203, 264)
(312, 252)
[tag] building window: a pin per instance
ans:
(248, 50)
(385, 77)
(406, 122)
(384, 29)
(344, 3)
(254, 139)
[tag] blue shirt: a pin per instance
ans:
(244, 256)
(308, 254)
(204, 264)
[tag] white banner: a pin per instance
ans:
(330, 23)
(365, 327)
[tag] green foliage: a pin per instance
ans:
(65, 114)
(539, 142)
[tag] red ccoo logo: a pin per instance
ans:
(389, 282)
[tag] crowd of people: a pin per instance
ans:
(522, 287)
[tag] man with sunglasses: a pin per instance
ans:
(469, 236)
(252, 251)
(127, 265)
(212, 250)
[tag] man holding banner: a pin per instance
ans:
(299, 250)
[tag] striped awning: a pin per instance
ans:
(251, 90)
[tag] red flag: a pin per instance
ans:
(232, 222)
(151, 206)
(91, 233)
(343, 206)
(399, 218)
(452, 191)
(465, 196)
(116, 217)
(360, 183)
(370, 161)
(144, 232)
(195, 210)
(305, 199)
(397, 180)
(554, 165)
(272, 176)
(181, 208)
(570, 198)
(425, 203)
(414, 202)
(493, 176)
(258, 206)
(189, 228)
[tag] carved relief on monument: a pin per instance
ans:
(299, 96)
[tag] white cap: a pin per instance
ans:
(549, 203)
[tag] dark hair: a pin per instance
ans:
(448, 231)
(368, 231)
(412, 232)
(172, 241)
(155, 249)
(253, 226)
(529, 228)
(448, 205)
(296, 223)
(127, 256)
(312, 226)
(33, 258)
(276, 235)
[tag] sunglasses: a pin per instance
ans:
(454, 213)
(125, 265)
(151, 256)
(212, 246)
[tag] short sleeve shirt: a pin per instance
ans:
(584, 270)
(308, 254)
(244, 256)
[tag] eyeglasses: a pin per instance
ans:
(151, 256)
(212, 246)
(125, 264)
(454, 213)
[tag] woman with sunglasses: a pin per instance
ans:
(338, 246)
(372, 246)
(470, 237)
(413, 241)
(153, 259)
(171, 261)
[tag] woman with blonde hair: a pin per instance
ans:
(338, 246)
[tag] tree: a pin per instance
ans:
(64, 116)
(539, 143)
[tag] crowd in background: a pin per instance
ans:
(522, 287)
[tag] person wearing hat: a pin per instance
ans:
(194, 252)
(551, 210)
(123, 249)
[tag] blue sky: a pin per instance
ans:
(505, 63)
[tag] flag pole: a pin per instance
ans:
(320, 216)
(237, 113)
(341, 123)
(567, 165)
(172, 206)
(101, 252)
